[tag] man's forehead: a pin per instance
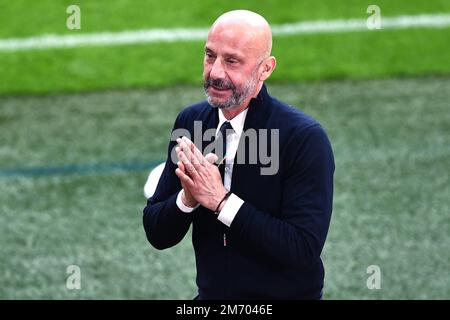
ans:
(231, 40)
(229, 51)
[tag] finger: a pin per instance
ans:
(182, 156)
(196, 157)
(183, 159)
(211, 158)
(178, 150)
(182, 144)
(192, 148)
(181, 166)
(184, 178)
(195, 151)
(189, 148)
(188, 166)
(186, 181)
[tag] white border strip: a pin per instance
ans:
(195, 34)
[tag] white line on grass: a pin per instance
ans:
(193, 34)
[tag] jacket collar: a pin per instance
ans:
(258, 110)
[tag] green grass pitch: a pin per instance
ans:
(103, 113)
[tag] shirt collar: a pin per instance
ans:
(237, 122)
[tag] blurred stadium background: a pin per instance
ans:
(81, 127)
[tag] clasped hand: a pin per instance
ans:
(199, 176)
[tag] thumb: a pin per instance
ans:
(211, 158)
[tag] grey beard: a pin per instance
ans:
(237, 98)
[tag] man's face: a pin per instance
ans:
(230, 67)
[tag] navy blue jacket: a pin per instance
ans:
(275, 240)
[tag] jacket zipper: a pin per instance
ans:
(227, 264)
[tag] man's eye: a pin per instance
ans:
(232, 61)
(209, 55)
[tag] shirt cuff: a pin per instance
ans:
(230, 209)
(182, 206)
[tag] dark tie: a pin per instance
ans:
(225, 130)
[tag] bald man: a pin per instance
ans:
(258, 227)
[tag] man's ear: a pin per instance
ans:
(267, 67)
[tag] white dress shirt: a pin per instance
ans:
(233, 203)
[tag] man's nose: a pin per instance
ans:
(217, 70)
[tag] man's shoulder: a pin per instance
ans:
(196, 111)
(290, 118)
(299, 133)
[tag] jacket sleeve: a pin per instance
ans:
(297, 235)
(164, 223)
